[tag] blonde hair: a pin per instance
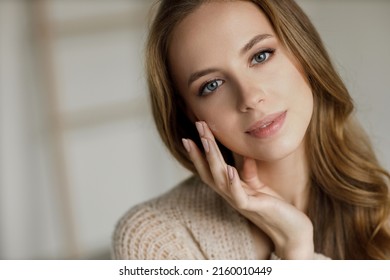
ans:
(349, 203)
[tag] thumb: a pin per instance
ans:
(249, 174)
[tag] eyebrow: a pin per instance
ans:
(258, 38)
(254, 41)
(196, 75)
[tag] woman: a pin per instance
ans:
(244, 95)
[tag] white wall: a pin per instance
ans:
(108, 156)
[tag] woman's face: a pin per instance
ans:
(233, 73)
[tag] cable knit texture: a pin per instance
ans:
(189, 222)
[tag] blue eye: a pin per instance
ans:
(210, 87)
(262, 56)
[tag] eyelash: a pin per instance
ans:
(220, 82)
(204, 86)
(270, 52)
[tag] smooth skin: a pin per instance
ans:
(232, 71)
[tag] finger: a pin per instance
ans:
(252, 183)
(244, 200)
(249, 173)
(200, 163)
(218, 168)
(214, 157)
(205, 131)
(239, 197)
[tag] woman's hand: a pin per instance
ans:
(290, 229)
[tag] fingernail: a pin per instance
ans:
(186, 145)
(230, 172)
(205, 145)
(199, 127)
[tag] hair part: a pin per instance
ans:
(347, 182)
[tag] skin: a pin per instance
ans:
(229, 81)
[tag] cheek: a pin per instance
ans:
(213, 126)
(217, 125)
(221, 125)
(297, 90)
(216, 116)
(196, 113)
(305, 99)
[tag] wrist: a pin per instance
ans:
(297, 248)
(303, 251)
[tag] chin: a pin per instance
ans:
(281, 150)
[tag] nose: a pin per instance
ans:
(250, 95)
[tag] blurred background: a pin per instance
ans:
(78, 146)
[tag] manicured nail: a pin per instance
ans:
(230, 172)
(186, 145)
(205, 145)
(199, 127)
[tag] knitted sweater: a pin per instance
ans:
(189, 222)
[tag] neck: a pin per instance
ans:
(289, 177)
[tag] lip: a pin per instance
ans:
(268, 126)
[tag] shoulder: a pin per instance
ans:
(146, 229)
(189, 222)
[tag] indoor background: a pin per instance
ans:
(78, 146)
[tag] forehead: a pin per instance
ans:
(215, 29)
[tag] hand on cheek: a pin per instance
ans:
(290, 229)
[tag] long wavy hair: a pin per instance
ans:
(349, 200)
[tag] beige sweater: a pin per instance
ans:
(189, 222)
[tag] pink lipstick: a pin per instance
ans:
(268, 126)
